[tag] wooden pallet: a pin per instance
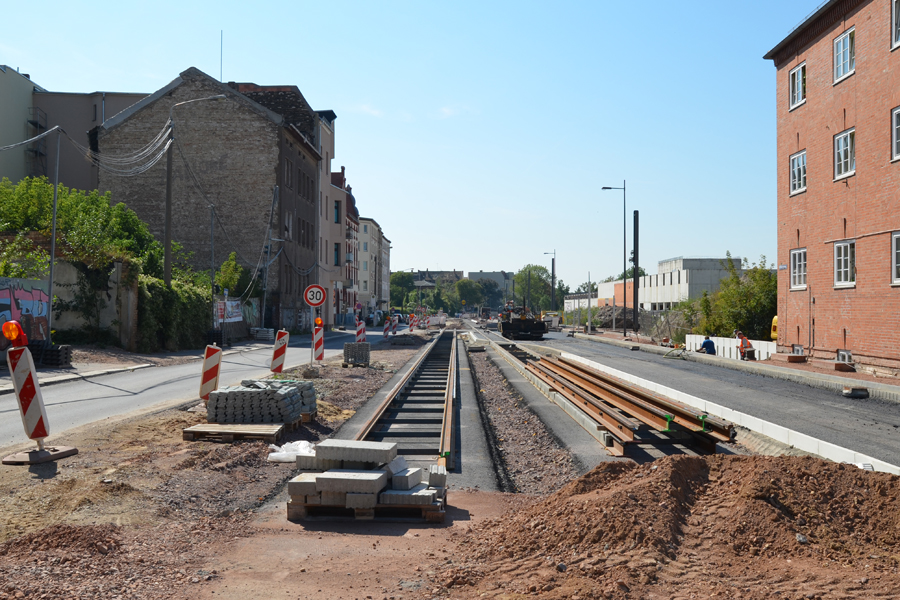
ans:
(304, 418)
(225, 432)
(430, 513)
(364, 365)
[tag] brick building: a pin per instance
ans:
(238, 148)
(838, 110)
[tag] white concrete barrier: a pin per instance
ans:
(728, 347)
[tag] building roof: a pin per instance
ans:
(7, 68)
(186, 75)
(820, 20)
(285, 100)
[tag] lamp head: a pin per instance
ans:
(12, 331)
(606, 188)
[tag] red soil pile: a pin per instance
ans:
(695, 527)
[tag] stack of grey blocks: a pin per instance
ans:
(363, 476)
(356, 353)
(262, 401)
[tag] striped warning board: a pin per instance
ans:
(209, 378)
(360, 331)
(387, 327)
(394, 325)
(28, 393)
(319, 343)
(279, 351)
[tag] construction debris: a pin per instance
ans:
(262, 401)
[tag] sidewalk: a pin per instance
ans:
(796, 372)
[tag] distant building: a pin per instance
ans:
(676, 280)
(19, 122)
(838, 164)
(435, 276)
(372, 255)
(503, 279)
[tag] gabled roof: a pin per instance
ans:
(286, 100)
(190, 74)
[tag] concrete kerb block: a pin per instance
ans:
(398, 464)
(357, 500)
(437, 477)
(302, 485)
(418, 495)
(334, 498)
(346, 480)
(351, 450)
(406, 479)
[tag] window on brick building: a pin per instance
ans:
(845, 264)
(798, 85)
(895, 131)
(798, 269)
(798, 172)
(288, 173)
(337, 211)
(844, 55)
(845, 154)
(895, 24)
(895, 258)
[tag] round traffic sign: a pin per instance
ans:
(314, 295)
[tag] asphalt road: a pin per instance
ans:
(868, 426)
(85, 401)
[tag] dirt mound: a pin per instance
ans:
(93, 539)
(689, 524)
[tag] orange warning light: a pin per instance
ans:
(13, 332)
(318, 321)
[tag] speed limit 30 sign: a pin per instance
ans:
(314, 295)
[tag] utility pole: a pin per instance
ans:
(167, 238)
(635, 275)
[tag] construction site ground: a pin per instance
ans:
(140, 513)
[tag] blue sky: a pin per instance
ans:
(479, 134)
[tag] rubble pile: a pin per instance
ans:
(262, 401)
(363, 476)
(697, 524)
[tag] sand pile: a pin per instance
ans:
(730, 525)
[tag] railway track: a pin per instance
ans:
(417, 413)
(631, 416)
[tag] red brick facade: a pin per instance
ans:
(862, 208)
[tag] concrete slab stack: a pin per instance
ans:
(262, 401)
(386, 480)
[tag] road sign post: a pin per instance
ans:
(315, 296)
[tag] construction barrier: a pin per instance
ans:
(279, 351)
(394, 325)
(360, 331)
(387, 327)
(209, 378)
(28, 394)
(319, 343)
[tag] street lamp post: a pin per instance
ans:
(167, 236)
(552, 280)
(624, 258)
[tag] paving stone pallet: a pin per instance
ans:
(357, 354)
(262, 401)
(52, 356)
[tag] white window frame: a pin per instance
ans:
(895, 24)
(895, 132)
(798, 269)
(844, 55)
(797, 85)
(798, 173)
(845, 154)
(845, 264)
(895, 258)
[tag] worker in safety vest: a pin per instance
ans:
(744, 345)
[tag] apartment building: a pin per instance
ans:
(374, 252)
(838, 111)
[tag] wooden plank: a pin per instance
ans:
(230, 432)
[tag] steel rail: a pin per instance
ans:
(370, 424)
(682, 414)
(445, 450)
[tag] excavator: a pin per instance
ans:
(520, 323)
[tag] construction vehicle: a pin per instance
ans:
(553, 319)
(519, 323)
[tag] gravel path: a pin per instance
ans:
(529, 459)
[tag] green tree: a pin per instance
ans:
(402, 283)
(583, 288)
(230, 274)
(493, 295)
(535, 290)
(470, 291)
(21, 258)
(746, 301)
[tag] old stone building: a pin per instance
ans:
(234, 143)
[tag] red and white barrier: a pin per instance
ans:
(387, 327)
(394, 325)
(319, 343)
(427, 322)
(209, 377)
(360, 331)
(279, 351)
(28, 393)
